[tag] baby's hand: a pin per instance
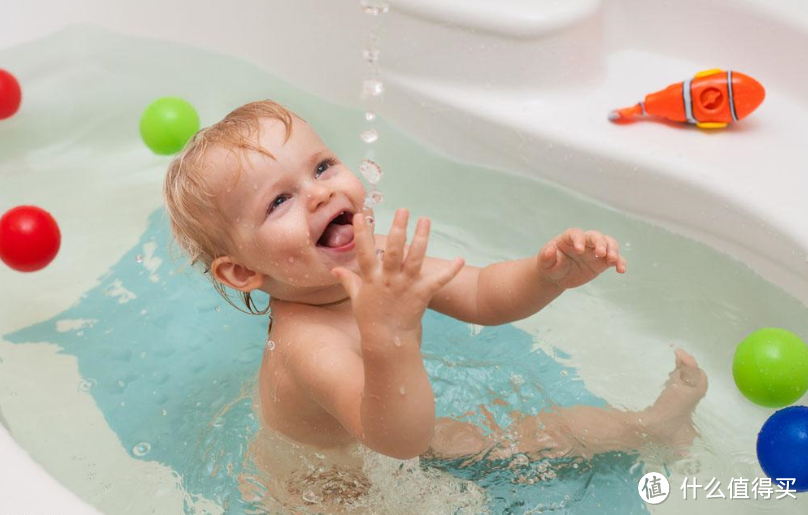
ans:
(576, 257)
(390, 297)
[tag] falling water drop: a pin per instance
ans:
(369, 135)
(138, 259)
(402, 390)
(370, 171)
(270, 344)
(373, 198)
(372, 87)
(371, 55)
(370, 116)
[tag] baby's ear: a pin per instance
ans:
(234, 275)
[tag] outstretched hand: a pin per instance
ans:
(392, 293)
(576, 257)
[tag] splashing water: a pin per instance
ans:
(372, 91)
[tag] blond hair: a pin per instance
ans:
(197, 223)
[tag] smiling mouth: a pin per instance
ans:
(339, 232)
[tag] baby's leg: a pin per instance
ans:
(586, 430)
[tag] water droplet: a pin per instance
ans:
(397, 341)
(564, 373)
(370, 116)
(373, 198)
(217, 308)
(270, 345)
(371, 55)
(370, 171)
(370, 221)
(627, 245)
(372, 87)
(374, 7)
(291, 259)
(141, 449)
(310, 496)
(369, 135)
(402, 390)
(85, 385)
(138, 259)
(164, 413)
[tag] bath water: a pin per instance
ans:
(125, 375)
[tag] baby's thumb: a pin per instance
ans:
(548, 257)
(350, 281)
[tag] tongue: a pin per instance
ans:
(337, 235)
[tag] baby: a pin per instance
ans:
(263, 204)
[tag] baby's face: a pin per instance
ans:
(291, 215)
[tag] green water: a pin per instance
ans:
(169, 367)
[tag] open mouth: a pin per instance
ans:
(339, 231)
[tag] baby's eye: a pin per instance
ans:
(324, 165)
(280, 199)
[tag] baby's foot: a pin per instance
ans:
(669, 421)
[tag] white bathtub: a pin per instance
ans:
(523, 82)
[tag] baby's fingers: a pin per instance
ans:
(350, 281)
(621, 265)
(442, 278)
(574, 238)
(365, 250)
(417, 251)
(396, 239)
(548, 256)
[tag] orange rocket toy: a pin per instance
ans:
(710, 100)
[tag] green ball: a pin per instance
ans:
(770, 367)
(167, 125)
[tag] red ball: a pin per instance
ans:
(29, 238)
(10, 95)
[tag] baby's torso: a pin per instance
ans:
(285, 406)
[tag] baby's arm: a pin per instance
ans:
(512, 290)
(396, 407)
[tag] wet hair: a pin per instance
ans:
(198, 225)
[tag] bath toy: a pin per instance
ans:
(10, 94)
(782, 446)
(770, 367)
(29, 238)
(710, 100)
(167, 125)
